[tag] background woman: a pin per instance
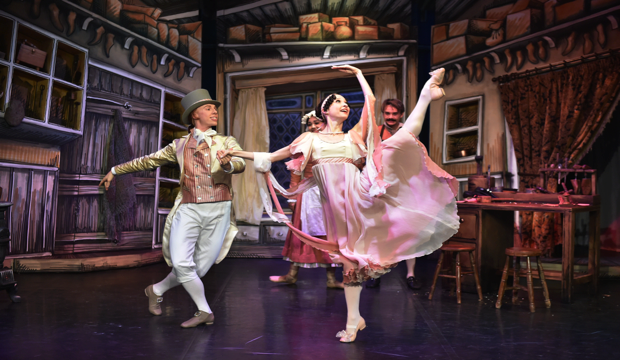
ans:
(307, 216)
(401, 206)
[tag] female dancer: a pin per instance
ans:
(401, 206)
(308, 216)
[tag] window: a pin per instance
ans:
(463, 121)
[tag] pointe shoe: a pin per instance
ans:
(434, 82)
(588, 45)
(170, 70)
(200, 317)
(98, 36)
(531, 53)
(488, 64)
(601, 35)
(55, 17)
(570, 43)
(154, 64)
(143, 56)
(109, 42)
(133, 59)
(346, 336)
(542, 50)
(509, 60)
(154, 301)
(71, 20)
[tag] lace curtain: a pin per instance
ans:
(555, 114)
(385, 88)
(251, 129)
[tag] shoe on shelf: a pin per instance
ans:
(200, 317)
(413, 283)
(154, 301)
(373, 283)
(349, 335)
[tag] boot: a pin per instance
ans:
(98, 36)
(509, 59)
(601, 36)
(542, 51)
(531, 53)
(588, 45)
(470, 70)
(289, 278)
(497, 36)
(71, 20)
(170, 68)
(154, 64)
(450, 77)
(332, 283)
(479, 72)
(35, 9)
(181, 71)
(520, 59)
(109, 42)
(570, 44)
(488, 64)
(55, 17)
(143, 56)
(133, 59)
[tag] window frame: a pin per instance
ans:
(477, 128)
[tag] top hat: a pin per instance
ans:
(193, 101)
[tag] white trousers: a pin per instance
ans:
(196, 238)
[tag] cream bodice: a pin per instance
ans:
(322, 149)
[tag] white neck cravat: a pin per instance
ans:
(204, 136)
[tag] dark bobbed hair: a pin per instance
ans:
(329, 99)
(397, 104)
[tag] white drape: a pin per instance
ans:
(385, 88)
(251, 129)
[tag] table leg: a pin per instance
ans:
(594, 248)
(568, 255)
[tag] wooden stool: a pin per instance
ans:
(456, 249)
(517, 252)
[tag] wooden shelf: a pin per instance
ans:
(41, 41)
(130, 36)
(540, 34)
(68, 63)
(173, 125)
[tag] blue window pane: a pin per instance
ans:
(284, 103)
(310, 101)
(353, 119)
(283, 129)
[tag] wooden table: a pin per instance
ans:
(491, 226)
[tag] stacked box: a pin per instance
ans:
(363, 20)
(440, 33)
(569, 11)
(313, 18)
(320, 31)
(457, 47)
(373, 32)
(523, 23)
(478, 27)
(401, 31)
(498, 13)
(245, 34)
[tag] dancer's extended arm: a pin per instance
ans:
(281, 154)
(369, 100)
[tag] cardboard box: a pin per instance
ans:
(401, 31)
(549, 13)
(569, 11)
(373, 32)
(173, 38)
(457, 47)
(498, 13)
(602, 4)
(345, 19)
(245, 34)
(320, 31)
(478, 27)
(148, 31)
(363, 20)
(303, 31)
(190, 46)
(312, 18)
(523, 23)
(440, 33)
(282, 37)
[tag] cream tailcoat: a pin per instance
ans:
(173, 153)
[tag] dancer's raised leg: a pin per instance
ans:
(430, 91)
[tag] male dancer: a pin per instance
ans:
(393, 111)
(200, 227)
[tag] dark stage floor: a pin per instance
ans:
(103, 315)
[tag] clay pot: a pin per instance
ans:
(342, 31)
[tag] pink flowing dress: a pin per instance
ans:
(400, 206)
